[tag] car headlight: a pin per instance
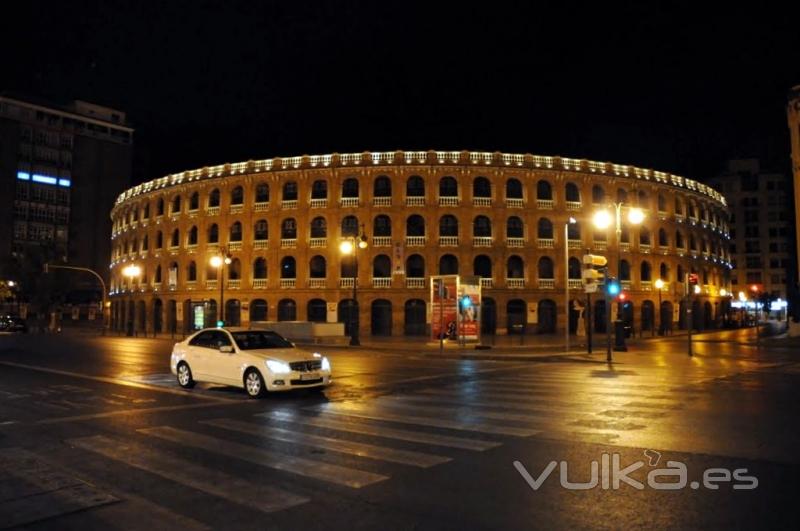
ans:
(326, 365)
(279, 367)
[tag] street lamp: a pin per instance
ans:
(570, 221)
(131, 271)
(220, 261)
(602, 220)
(660, 287)
(351, 245)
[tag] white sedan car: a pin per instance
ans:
(257, 360)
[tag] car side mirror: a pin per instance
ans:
(227, 349)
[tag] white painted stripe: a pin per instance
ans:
(129, 412)
(435, 439)
(372, 414)
(462, 411)
(517, 401)
(256, 495)
(370, 451)
(339, 475)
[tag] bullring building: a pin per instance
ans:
(502, 217)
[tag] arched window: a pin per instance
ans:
(513, 189)
(381, 267)
(679, 243)
(645, 272)
(515, 267)
(574, 231)
(415, 225)
(262, 193)
(644, 236)
(176, 238)
(691, 210)
(160, 207)
(572, 193)
(213, 198)
(544, 229)
(678, 206)
(643, 199)
(260, 230)
(482, 266)
(317, 267)
(663, 241)
(235, 269)
(288, 267)
(194, 201)
(289, 191)
(415, 266)
(382, 187)
(236, 232)
(192, 239)
(598, 195)
(482, 227)
(448, 187)
(448, 265)
(382, 226)
(237, 196)
(191, 272)
(157, 277)
(350, 226)
(211, 272)
(317, 311)
(681, 273)
(448, 226)
(481, 187)
(514, 228)
(288, 229)
(625, 234)
(664, 272)
(350, 187)
(622, 195)
(692, 242)
(319, 190)
(258, 310)
(624, 270)
(319, 227)
(260, 268)
(415, 187)
(574, 268)
(287, 310)
(145, 243)
(146, 211)
(545, 267)
(176, 204)
(544, 190)
(662, 203)
(213, 233)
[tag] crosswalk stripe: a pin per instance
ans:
(457, 410)
(257, 495)
(349, 477)
(572, 384)
(477, 426)
(370, 451)
(434, 439)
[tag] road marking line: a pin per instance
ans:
(349, 477)
(483, 427)
(457, 411)
(359, 449)
(126, 412)
(256, 495)
(383, 431)
(117, 381)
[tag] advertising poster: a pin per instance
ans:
(444, 318)
(469, 306)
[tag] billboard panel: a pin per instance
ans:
(444, 311)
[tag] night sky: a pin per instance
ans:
(670, 88)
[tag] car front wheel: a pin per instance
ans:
(185, 379)
(253, 383)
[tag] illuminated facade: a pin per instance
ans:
(793, 115)
(498, 216)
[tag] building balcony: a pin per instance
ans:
(288, 282)
(448, 241)
(212, 211)
(191, 247)
(482, 241)
(288, 204)
(288, 243)
(415, 241)
(382, 201)
(259, 283)
(646, 285)
(172, 216)
(382, 241)
(663, 249)
(260, 206)
(235, 246)
(575, 283)
(574, 244)
(662, 215)
(599, 245)
(644, 247)
(625, 247)
(211, 284)
(191, 284)
(347, 202)
(318, 242)
(626, 285)
(514, 202)
(546, 204)
(547, 283)
(515, 283)
(415, 283)
(381, 282)
(319, 203)
(234, 283)
(487, 283)
(679, 217)
(346, 282)
(236, 209)
(515, 242)
(449, 201)
(481, 201)
(574, 205)
(317, 283)
(418, 201)
(156, 286)
(545, 243)
(260, 244)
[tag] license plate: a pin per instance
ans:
(310, 376)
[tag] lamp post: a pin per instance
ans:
(131, 271)
(602, 220)
(351, 245)
(220, 261)
(570, 221)
(659, 287)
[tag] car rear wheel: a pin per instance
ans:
(185, 379)
(253, 383)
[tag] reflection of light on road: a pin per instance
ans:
(660, 361)
(698, 361)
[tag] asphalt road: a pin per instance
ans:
(96, 434)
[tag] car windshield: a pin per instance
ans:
(254, 340)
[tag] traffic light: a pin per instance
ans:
(594, 273)
(466, 302)
(612, 287)
(622, 296)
